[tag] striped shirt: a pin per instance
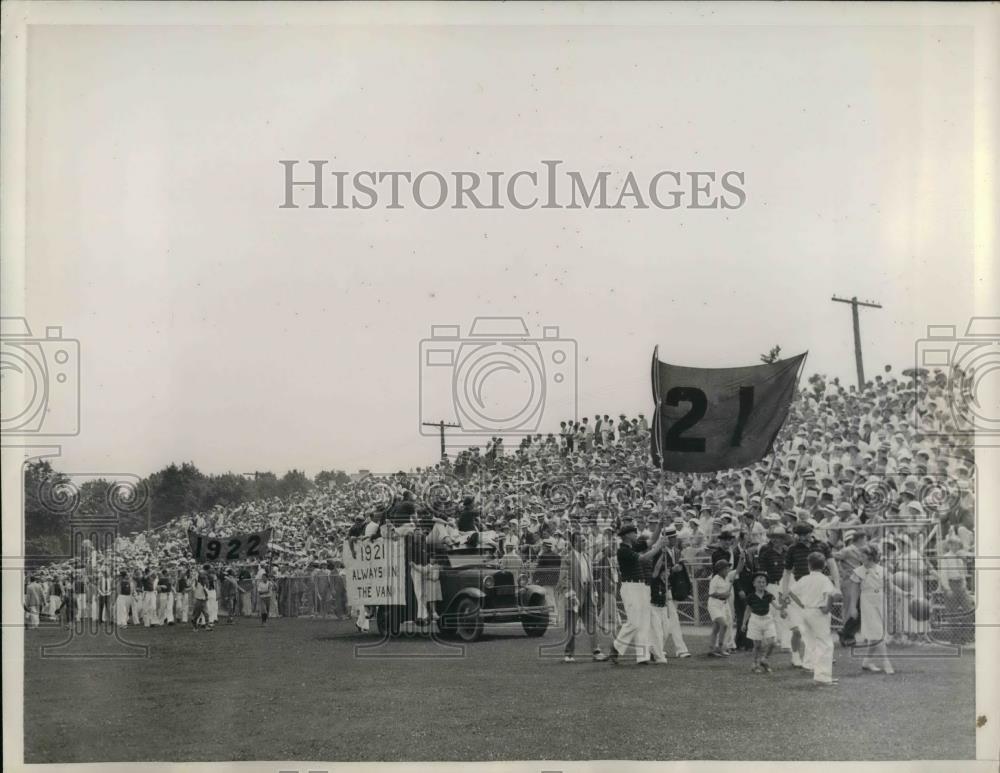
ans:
(797, 556)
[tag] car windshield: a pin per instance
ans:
(472, 557)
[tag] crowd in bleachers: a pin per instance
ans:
(846, 462)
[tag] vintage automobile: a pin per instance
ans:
(474, 591)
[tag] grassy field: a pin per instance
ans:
(299, 689)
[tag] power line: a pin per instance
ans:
(855, 303)
(441, 425)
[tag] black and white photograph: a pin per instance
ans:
(526, 386)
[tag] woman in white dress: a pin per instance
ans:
(871, 599)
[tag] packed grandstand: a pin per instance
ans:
(846, 462)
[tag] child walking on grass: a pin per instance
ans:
(759, 625)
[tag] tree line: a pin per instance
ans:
(52, 497)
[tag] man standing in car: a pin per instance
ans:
(468, 516)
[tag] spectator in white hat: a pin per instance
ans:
(669, 583)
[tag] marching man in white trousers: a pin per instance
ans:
(136, 599)
(814, 594)
(669, 620)
(673, 630)
(212, 604)
(182, 595)
(123, 600)
(148, 599)
(636, 630)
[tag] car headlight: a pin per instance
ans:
(487, 583)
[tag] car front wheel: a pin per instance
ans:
(468, 623)
(537, 623)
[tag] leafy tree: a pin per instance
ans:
(295, 483)
(175, 491)
(771, 356)
(94, 497)
(48, 504)
(267, 485)
(228, 490)
(331, 478)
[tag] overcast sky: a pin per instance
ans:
(217, 328)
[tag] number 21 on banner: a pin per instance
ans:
(675, 441)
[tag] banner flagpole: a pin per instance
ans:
(655, 448)
(767, 478)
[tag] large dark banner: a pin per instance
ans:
(238, 547)
(708, 419)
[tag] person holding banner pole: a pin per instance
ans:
(635, 595)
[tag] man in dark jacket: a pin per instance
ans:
(402, 512)
(670, 578)
(468, 516)
(546, 574)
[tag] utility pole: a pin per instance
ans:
(857, 332)
(441, 425)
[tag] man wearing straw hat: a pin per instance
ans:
(664, 618)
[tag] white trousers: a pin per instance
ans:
(181, 607)
(673, 628)
(730, 643)
(165, 607)
(780, 623)
(550, 602)
(658, 621)
(121, 610)
(819, 643)
(149, 608)
(212, 607)
(635, 630)
(136, 606)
